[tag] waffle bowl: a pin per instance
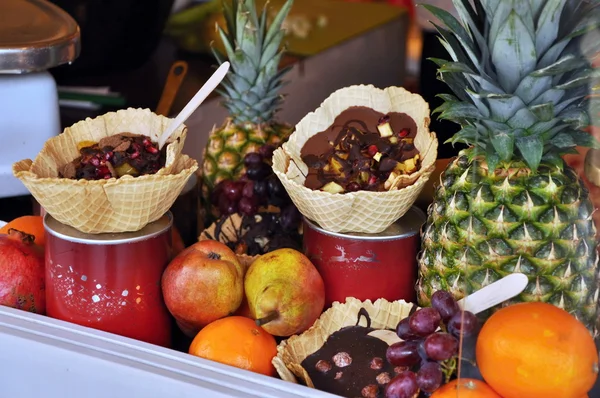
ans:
(360, 211)
(291, 352)
(113, 205)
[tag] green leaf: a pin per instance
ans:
(552, 54)
(438, 61)
(492, 158)
(458, 30)
(447, 97)
(576, 117)
(460, 110)
(552, 95)
(503, 144)
(547, 25)
(585, 139)
(562, 140)
(522, 119)
(531, 87)
(531, 149)
(503, 108)
(513, 43)
(277, 21)
(467, 135)
(553, 159)
(543, 112)
(582, 78)
(453, 46)
(490, 6)
(542, 128)
(565, 64)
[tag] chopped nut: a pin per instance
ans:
(342, 359)
(67, 171)
(338, 375)
(383, 378)
(370, 391)
(394, 140)
(323, 366)
(400, 369)
(376, 363)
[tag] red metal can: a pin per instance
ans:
(110, 282)
(367, 266)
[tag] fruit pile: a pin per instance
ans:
(429, 346)
(258, 187)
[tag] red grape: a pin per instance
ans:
(266, 151)
(424, 321)
(275, 187)
(247, 206)
(252, 158)
(463, 322)
(216, 192)
(248, 190)
(445, 303)
(257, 172)
(226, 206)
(232, 190)
(441, 346)
(290, 217)
(403, 330)
(260, 189)
(403, 353)
(429, 377)
(402, 386)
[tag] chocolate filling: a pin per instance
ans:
(345, 152)
(351, 363)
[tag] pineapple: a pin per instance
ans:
(521, 76)
(250, 91)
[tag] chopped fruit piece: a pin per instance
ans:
(372, 150)
(410, 165)
(384, 128)
(84, 144)
(403, 133)
(333, 187)
(377, 156)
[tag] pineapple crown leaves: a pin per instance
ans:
(522, 77)
(250, 89)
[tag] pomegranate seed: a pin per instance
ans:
(151, 149)
(372, 150)
(404, 132)
(135, 155)
(108, 155)
(95, 161)
(372, 180)
(384, 119)
(146, 142)
(107, 176)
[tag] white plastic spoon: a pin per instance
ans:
(494, 293)
(194, 103)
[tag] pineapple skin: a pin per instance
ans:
(483, 226)
(223, 157)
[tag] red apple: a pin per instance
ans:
(203, 283)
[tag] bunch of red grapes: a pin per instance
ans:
(430, 339)
(259, 186)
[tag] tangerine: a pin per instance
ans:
(236, 341)
(465, 388)
(32, 225)
(537, 350)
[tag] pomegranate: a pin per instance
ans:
(22, 272)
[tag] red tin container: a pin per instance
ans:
(110, 282)
(367, 266)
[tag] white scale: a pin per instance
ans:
(35, 35)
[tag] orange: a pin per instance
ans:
(32, 225)
(465, 388)
(236, 341)
(537, 350)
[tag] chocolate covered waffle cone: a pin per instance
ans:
(359, 211)
(291, 352)
(109, 205)
(228, 231)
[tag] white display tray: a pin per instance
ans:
(44, 357)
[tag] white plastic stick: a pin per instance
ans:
(494, 293)
(194, 103)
